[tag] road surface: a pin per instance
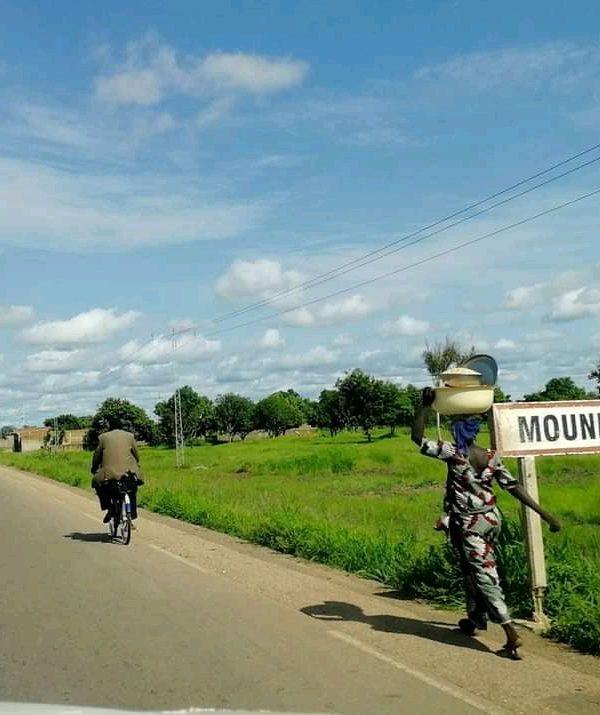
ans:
(185, 617)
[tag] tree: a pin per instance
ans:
(500, 395)
(595, 375)
(115, 412)
(363, 398)
(310, 410)
(440, 356)
(331, 414)
(557, 389)
(197, 416)
(278, 413)
(68, 422)
(6, 430)
(234, 415)
(397, 406)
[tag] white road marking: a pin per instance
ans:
(181, 559)
(448, 688)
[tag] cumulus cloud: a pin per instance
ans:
(524, 296)
(249, 73)
(152, 71)
(94, 326)
(261, 278)
(405, 326)
(355, 307)
(570, 295)
(57, 361)
(160, 351)
(271, 340)
(70, 382)
(13, 316)
(315, 357)
(299, 318)
(574, 304)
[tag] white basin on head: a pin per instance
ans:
(469, 400)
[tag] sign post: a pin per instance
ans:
(526, 430)
(534, 540)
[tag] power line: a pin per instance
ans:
(374, 254)
(387, 274)
(415, 264)
(388, 249)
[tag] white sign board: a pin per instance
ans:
(536, 428)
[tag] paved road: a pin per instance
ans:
(183, 617)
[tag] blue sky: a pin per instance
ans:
(164, 165)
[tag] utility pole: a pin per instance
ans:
(55, 445)
(178, 420)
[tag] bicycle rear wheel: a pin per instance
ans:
(116, 519)
(125, 523)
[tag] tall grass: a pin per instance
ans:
(369, 509)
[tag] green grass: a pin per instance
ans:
(369, 509)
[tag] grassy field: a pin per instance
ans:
(369, 509)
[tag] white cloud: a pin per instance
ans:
(271, 340)
(343, 340)
(299, 318)
(355, 307)
(405, 326)
(557, 63)
(524, 296)
(94, 326)
(261, 278)
(574, 304)
(70, 382)
(152, 71)
(12, 316)
(505, 344)
(160, 351)
(182, 324)
(249, 73)
(57, 209)
(214, 112)
(315, 357)
(57, 361)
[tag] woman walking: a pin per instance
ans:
(474, 518)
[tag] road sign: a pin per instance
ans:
(525, 429)
(529, 429)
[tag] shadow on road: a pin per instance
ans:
(77, 536)
(339, 611)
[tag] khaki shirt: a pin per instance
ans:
(115, 455)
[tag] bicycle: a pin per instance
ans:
(120, 522)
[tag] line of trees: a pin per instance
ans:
(356, 401)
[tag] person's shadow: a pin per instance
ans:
(98, 538)
(340, 611)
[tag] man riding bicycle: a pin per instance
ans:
(116, 458)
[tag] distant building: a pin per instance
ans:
(30, 439)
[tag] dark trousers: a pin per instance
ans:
(109, 490)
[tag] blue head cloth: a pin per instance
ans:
(464, 432)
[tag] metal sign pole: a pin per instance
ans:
(534, 541)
